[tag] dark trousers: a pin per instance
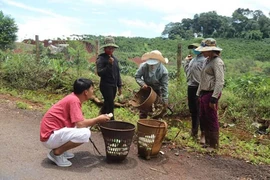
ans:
(208, 116)
(194, 109)
(108, 93)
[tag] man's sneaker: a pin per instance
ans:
(59, 160)
(68, 155)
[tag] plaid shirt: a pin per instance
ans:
(193, 70)
(212, 76)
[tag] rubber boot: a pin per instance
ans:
(202, 138)
(207, 139)
(214, 140)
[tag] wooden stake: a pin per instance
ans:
(37, 48)
(179, 60)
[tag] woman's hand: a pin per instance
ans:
(144, 86)
(188, 58)
(119, 91)
(213, 106)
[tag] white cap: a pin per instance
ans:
(152, 61)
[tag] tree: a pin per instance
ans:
(244, 23)
(8, 30)
(254, 34)
(264, 24)
(240, 19)
(209, 22)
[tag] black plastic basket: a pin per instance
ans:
(118, 137)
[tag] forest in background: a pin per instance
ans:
(244, 23)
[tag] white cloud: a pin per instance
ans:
(46, 24)
(100, 2)
(123, 33)
(47, 27)
(27, 7)
(142, 24)
(38, 10)
(127, 34)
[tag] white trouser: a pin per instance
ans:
(64, 135)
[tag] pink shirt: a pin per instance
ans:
(65, 113)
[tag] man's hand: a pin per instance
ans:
(103, 118)
(111, 60)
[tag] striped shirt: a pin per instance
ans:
(193, 70)
(212, 76)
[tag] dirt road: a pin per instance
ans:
(22, 156)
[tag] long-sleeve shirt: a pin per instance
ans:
(109, 73)
(193, 70)
(212, 76)
(159, 81)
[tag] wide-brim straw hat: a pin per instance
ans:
(109, 42)
(154, 57)
(208, 44)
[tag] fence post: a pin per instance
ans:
(179, 60)
(97, 48)
(96, 53)
(37, 48)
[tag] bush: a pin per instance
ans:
(23, 72)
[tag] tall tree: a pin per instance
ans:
(264, 24)
(8, 30)
(173, 30)
(209, 22)
(240, 19)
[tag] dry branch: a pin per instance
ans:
(100, 103)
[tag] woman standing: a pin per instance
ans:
(193, 67)
(209, 90)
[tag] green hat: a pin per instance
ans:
(193, 45)
(196, 43)
(109, 41)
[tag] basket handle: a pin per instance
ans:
(165, 124)
(166, 128)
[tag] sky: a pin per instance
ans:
(52, 19)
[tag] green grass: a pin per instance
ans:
(23, 105)
(232, 142)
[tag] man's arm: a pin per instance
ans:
(90, 122)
